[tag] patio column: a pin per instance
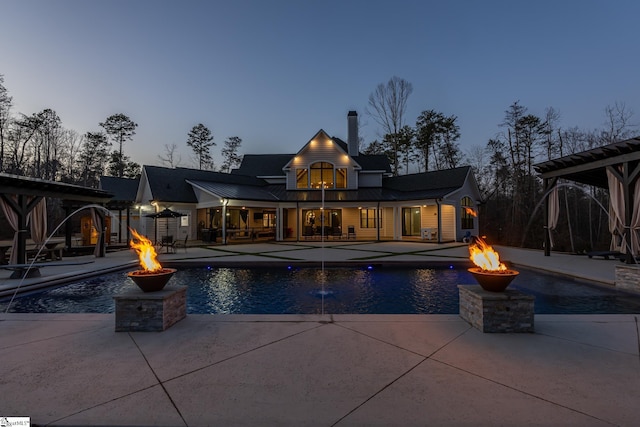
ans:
(224, 221)
(439, 220)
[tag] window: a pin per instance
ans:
(341, 178)
(302, 178)
(368, 218)
(321, 172)
(269, 219)
(411, 221)
(467, 213)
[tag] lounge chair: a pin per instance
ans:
(605, 254)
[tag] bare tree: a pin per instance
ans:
(171, 158)
(478, 157)
(387, 106)
(20, 136)
(71, 142)
(618, 124)
(5, 119)
(93, 158)
(46, 145)
(550, 128)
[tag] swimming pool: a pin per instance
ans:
(380, 290)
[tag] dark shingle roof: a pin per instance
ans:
(263, 164)
(272, 164)
(236, 191)
(175, 185)
(448, 179)
(123, 189)
(170, 185)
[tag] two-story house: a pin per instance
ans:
(325, 189)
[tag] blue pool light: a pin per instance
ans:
(370, 267)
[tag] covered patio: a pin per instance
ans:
(615, 167)
(22, 201)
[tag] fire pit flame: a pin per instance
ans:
(146, 252)
(151, 277)
(485, 257)
(490, 273)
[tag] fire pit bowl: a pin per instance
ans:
(151, 282)
(493, 281)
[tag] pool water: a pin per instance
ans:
(382, 290)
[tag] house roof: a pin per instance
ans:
(263, 164)
(272, 164)
(429, 182)
(123, 189)
(176, 185)
(170, 185)
(229, 190)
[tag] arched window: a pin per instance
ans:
(321, 172)
(467, 213)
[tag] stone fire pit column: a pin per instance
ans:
(506, 311)
(138, 311)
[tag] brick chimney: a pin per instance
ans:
(352, 133)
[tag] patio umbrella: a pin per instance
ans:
(166, 213)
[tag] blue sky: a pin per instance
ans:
(275, 72)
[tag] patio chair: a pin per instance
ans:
(167, 242)
(181, 244)
(351, 231)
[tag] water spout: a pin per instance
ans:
(544, 197)
(55, 230)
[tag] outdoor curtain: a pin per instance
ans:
(37, 220)
(616, 213)
(554, 212)
(97, 223)
(12, 219)
(635, 220)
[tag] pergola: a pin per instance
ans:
(593, 167)
(22, 194)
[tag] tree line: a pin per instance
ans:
(511, 207)
(39, 146)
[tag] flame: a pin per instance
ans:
(485, 257)
(146, 252)
(470, 211)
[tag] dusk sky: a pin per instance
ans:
(275, 72)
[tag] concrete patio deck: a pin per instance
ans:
(343, 370)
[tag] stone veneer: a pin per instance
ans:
(508, 311)
(628, 277)
(138, 311)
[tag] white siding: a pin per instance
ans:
(321, 149)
